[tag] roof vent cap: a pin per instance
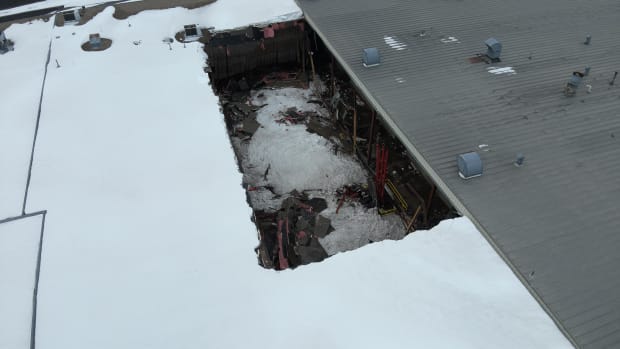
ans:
(94, 40)
(470, 165)
(371, 57)
(519, 160)
(494, 49)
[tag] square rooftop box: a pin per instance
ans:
(371, 57)
(94, 40)
(494, 49)
(191, 30)
(71, 16)
(470, 165)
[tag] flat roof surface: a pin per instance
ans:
(555, 218)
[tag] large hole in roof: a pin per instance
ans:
(322, 173)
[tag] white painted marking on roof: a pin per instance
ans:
(394, 43)
(450, 39)
(501, 71)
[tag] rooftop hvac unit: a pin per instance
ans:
(470, 165)
(494, 49)
(371, 57)
(191, 30)
(71, 16)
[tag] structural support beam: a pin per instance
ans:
(333, 79)
(413, 218)
(310, 53)
(354, 121)
(430, 197)
(423, 203)
(371, 135)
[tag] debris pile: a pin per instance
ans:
(299, 170)
(289, 236)
(241, 118)
(355, 192)
(292, 116)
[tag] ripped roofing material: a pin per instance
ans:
(554, 219)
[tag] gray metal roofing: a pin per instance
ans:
(555, 219)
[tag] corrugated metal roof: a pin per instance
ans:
(555, 219)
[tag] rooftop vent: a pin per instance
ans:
(575, 79)
(94, 40)
(470, 165)
(371, 57)
(191, 30)
(5, 44)
(519, 160)
(71, 16)
(571, 86)
(494, 49)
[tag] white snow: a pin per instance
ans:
(394, 43)
(22, 75)
(296, 159)
(19, 247)
(356, 226)
(501, 70)
(450, 39)
(148, 241)
(221, 14)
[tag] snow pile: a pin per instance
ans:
(148, 241)
(19, 247)
(356, 226)
(297, 160)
